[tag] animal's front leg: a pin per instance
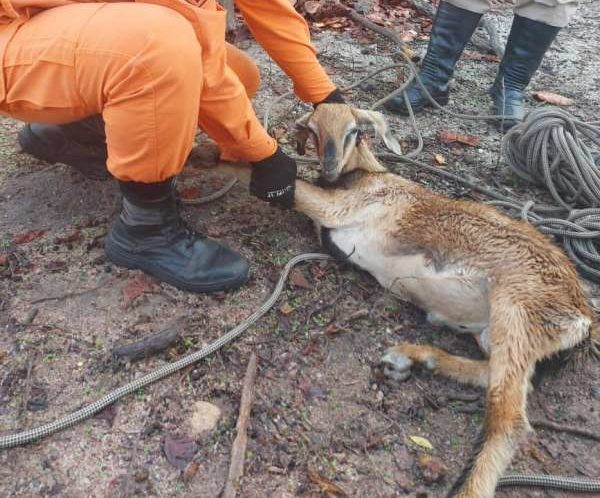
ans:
(329, 208)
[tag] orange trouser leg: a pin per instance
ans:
(245, 69)
(137, 64)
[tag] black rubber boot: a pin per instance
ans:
(151, 236)
(81, 144)
(452, 29)
(527, 43)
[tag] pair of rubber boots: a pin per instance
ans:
(452, 28)
(149, 233)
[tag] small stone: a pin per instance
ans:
(596, 392)
(205, 418)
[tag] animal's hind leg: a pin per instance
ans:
(399, 359)
(511, 364)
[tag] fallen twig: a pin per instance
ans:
(328, 488)
(69, 295)
(553, 426)
(152, 344)
(236, 468)
(27, 390)
(33, 312)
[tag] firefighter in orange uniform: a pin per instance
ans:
(122, 87)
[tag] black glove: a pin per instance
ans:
(334, 97)
(274, 179)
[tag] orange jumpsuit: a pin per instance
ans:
(155, 69)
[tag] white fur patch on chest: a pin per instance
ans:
(364, 249)
(452, 295)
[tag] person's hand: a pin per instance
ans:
(274, 179)
(334, 97)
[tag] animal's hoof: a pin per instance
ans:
(396, 365)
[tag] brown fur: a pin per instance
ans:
(466, 264)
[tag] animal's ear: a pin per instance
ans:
(381, 126)
(302, 133)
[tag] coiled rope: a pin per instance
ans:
(553, 149)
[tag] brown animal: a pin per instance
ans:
(467, 265)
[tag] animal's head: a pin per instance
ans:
(336, 131)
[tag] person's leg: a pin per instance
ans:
(122, 60)
(82, 144)
(453, 26)
(535, 26)
(245, 68)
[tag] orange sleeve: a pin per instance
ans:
(226, 113)
(285, 36)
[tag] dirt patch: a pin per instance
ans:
(319, 402)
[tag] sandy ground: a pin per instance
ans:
(319, 401)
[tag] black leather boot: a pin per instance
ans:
(527, 43)
(452, 29)
(151, 236)
(81, 144)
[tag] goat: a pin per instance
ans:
(468, 266)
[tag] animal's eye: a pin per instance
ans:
(350, 137)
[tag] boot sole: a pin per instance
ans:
(123, 259)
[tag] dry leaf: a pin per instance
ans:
(327, 487)
(333, 329)
(312, 7)
(68, 239)
(439, 159)
(553, 98)
(56, 265)
(408, 36)
(179, 450)
(457, 150)
(279, 132)
(3, 259)
(298, 279)
(448, 137)
(422, 442)
(108, 414)
(189, 193)
(136, 286)
(478, 56)
(432, 469)
(24, 238)
(190, 471)
(286, 308)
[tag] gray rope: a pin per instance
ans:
(552, 148)
(31, 435)
(575, 484)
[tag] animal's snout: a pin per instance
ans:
(330, 162)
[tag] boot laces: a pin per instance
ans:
(180, 228)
